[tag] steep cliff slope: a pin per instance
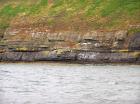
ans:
(86, 30)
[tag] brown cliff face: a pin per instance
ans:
(88, 41)
(40, 43)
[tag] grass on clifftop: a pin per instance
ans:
(72, 14)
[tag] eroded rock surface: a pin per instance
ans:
(40, 44)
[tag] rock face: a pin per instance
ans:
(135, 42)
(40, 44)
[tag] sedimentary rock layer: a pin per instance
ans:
(40, 44)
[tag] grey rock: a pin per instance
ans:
(135, 42)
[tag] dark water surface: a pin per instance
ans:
(54, 83)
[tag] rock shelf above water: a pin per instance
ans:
(30, 44)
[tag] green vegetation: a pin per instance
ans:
(133, 30)
(79, 14)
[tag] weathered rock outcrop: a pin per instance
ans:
(40, 44)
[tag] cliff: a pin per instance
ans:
(62, 30)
